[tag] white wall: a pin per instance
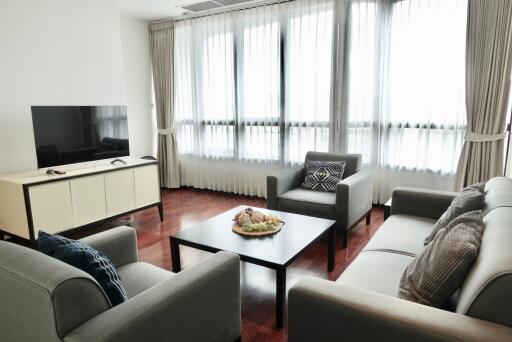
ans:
(137, 76)
(64, 52)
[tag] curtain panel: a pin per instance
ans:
(252, 92)
(400, 98)
(488, 67)
(162, 56)
(256, 89)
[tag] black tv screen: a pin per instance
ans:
(76, 134)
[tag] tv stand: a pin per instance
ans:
(118, 160)
(82, 197)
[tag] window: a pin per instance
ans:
(406, 85)
(254, 85)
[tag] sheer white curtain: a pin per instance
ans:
(309, 45)
(252, 92)
(405, 102)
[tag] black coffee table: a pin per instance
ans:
(274, 251)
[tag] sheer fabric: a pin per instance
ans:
(256, 89)
(252, 92)
(405, 107)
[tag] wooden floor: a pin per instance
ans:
(185, 207)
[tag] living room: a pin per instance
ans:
(262, 170)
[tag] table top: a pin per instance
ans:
(280, 249)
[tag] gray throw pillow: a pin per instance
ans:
(323, 175)
(471, 198)
(440, 270)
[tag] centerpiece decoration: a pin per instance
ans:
(254, 223)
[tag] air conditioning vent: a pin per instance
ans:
(231, 2)
(202, 6)
(212, 4)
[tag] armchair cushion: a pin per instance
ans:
(140, 276)
(89, 260)
(309, 202)
(323, 175)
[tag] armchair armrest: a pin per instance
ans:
(282, 181)
(354, 197)
(320, 310)
(421, 202)
(200, 303)
(118, 244)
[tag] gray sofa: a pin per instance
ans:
(362, 304)
(348, 205)
(43, 299)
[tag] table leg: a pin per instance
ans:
(280, 296)
(331, 253)
(175, 255)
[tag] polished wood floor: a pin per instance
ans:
(185, 207)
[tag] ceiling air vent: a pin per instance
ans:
(231, 2)
(211, 5)
(202, 6)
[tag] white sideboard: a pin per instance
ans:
(33, 201)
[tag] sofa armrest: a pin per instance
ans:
(118, 244)
(200, 303)
(282, 181)
(320, 310)
(354, 197)
(421, 202)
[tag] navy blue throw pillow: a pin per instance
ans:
(88, 259)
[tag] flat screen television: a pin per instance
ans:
(75, 134)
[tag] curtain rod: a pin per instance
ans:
(221, 10)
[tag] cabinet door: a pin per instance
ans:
(89, 203)
(51, 207)
(120, 192)
(147, 189)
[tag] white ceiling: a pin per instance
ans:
(153, 9)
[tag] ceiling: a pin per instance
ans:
(160, 9)
(153, 9)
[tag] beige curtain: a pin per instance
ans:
(162, 56)
(488, 67)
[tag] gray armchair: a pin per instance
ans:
(43, 299)
(348, 205)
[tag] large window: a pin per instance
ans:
(255, 84)
(406, 83)
(384, 78)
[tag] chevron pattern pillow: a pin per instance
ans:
(88, 259)
(323, 175)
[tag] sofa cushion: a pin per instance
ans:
(308, 202)
(401, 234)
(439, 271)
(487, 290)
(376, 271)
(88, 259)
(140, 276)
(471, 198)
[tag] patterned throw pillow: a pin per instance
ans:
(323, 175)
(471, 198)
(88, 259)
(441, 268)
